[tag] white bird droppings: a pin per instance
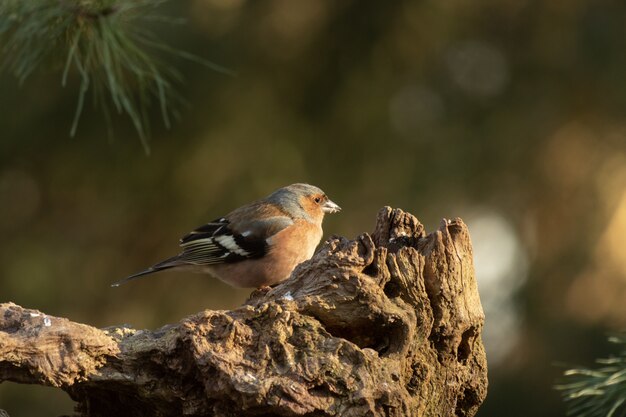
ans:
(46, 321)
(35, 314)
(288, 296)
(249, 378)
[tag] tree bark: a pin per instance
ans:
(383, 325)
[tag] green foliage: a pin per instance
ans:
(106, 42)
(597, 392)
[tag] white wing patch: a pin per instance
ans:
(229, 243)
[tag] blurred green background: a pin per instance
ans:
(509, 114)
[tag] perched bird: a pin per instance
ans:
(258, 244)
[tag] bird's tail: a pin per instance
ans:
(161, 266)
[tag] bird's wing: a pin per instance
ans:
(242, 234)
(231, 239)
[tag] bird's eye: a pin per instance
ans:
(318, 199)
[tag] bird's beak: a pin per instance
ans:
(330, 207)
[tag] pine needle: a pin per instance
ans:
(106, 43)
(599, 392)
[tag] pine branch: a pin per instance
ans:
(597, 392)
(107, 43)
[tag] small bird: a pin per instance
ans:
(256, 245)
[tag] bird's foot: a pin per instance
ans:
(260, 292)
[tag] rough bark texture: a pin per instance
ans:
(383, 325)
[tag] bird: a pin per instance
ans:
(257, 245)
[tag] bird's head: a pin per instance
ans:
(304, 201)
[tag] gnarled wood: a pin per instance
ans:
(383, 325)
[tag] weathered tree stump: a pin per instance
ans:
(383, 325)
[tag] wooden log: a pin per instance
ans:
(382, 325)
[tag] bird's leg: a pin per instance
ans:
(260, 292)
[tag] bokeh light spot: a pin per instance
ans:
(478, 68)
(501, 268)
(414, 107)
